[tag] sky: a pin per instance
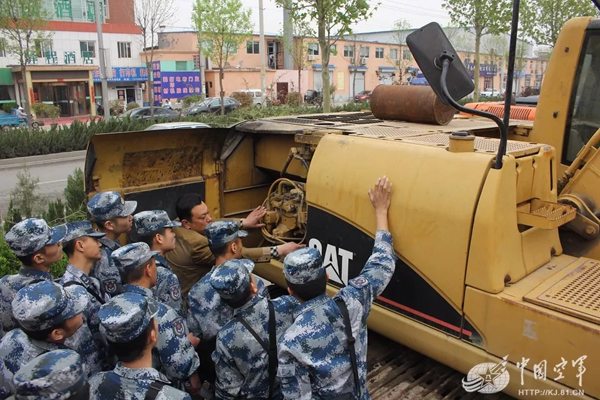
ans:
(417, 13)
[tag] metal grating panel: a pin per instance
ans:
(481, 144)
(390, 132)
(577, 294)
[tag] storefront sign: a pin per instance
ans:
(175, 85)
(125, 74)
(157, 83)
(63, 8)
(88, 57)
(484, 69)
(51, 57)
(70, 57)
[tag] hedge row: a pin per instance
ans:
(26, 142)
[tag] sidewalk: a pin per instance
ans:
(65, 120)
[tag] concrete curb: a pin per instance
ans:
(20, 162)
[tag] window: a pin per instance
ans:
(180, 65)
(379, 52)
(42, 47)
(88, 49)
(348, 51)
(584, 118)
(252, 47)
(333, 49)
(394, 54)
(124, 49)
(364, 52)
(313, 49)
(527, 81)
(406, 55)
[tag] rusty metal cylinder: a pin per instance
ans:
(411, 104)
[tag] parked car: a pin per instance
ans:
(529, 101)
(313, 97)
(212, 105)
(177, 125)
(365, 95)
(490, 93)
(256, 96)
(144, 113)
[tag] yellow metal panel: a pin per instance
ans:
(240, 201)
(555, 97)
(512, 327)
(524, 179)
(435, 195)
(272, 151)
(239, 166)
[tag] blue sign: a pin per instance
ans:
(484, 69)
(125, 74)
(177, 85)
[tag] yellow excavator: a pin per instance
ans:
(498, 274)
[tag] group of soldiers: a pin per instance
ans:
(178, 313)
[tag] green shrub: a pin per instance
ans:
(43, 110)
(8, 107)
(189, 100)
(293, 99)
(132, 105)
(244, 98)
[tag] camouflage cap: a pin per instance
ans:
(105, 206)
(303, 266)
(126, 316)
(55, 375)
(32, 235)
(232, 278)
(132, 256)
(79, 229)
(44, 305)
(147, 222)
(223, 232)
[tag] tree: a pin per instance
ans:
(542, 20)
(151, 16)
(333, 19)
(481, 18)
(224, 25)
(22, 25)
(301, 29)
(399, 37)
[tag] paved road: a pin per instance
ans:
(52, 171)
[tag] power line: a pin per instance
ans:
(396, 4)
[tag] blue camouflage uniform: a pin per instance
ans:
(123, 319)
(36, 307)
(55, 375)
(106, 206)
(314, 360)
(25, 238)
(168, 288)
(206, 311)
(87, 340)
(241, 362)
(174, 354)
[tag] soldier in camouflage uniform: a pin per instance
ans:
(56, 375)
(156, 230)
(48, 315)
(113, 215)
(173, 354)
(319, 326)
(207, 313)
(37, 246)
(241, 362)
(83, 249)
(128, 323)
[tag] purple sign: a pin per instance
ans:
(157, 83)
(176, 85)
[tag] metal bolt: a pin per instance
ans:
(506, 279)
(566, 49)
(552, 251)
(590, 230)
(555, 114)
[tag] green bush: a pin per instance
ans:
(189, 100)
(8, 107)
(43, 110)
(293, 99)
(132, 105)
(244, 98)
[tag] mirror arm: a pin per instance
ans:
(446, 60)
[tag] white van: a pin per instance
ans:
(256, 95)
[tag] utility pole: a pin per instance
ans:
(102, 62)
(202, 67)
(261, 51)
(288, 37)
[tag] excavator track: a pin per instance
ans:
(397, 372)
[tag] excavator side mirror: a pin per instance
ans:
(428, 44)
